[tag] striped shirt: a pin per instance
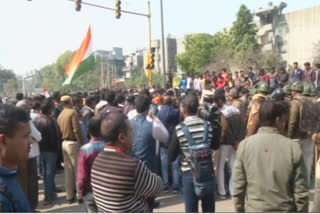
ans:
(179, 144)
(121, 183)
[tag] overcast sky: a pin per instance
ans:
(34, 33)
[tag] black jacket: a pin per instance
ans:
(50, 133)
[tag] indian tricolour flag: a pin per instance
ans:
(82, 62)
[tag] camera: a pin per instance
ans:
(210, 112)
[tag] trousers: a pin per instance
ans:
(165, 169)
(307, 146)
(191, 199)
(226, 152)
(70, 150)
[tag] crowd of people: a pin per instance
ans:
(250, 136)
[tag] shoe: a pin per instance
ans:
(166, 189)
(175, 190)
(71, 201)
(80, 200)
(156, 204)
(58, 190)
(223, 197)
(49, 201)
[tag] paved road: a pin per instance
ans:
(168, 202)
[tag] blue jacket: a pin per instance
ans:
(144, 145)
(298, 74)
(12, 198)
(183, 84)
(170, 117)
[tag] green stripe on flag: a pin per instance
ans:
(85, 66)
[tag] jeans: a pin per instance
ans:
(48, 161)
(165, 169)
(307, 148)
(90, 203)
(191, 199)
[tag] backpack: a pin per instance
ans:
(201, 162)
(309, 119)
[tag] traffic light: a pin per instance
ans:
(151, 65)
(150, 61)
(78, 5)
(118, 9)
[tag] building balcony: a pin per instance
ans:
(264, 29)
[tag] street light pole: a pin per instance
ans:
(163, 44)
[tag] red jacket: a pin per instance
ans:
(220, 83)
(265, 78)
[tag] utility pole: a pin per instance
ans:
(102, 77)
(163, 44)
(149, 26)
(23, 86)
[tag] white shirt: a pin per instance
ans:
(159, 131)
(36, 138)
(188, 82)
(197, 84)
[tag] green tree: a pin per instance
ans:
(243, 32)
(10, 87)
(139, 79)
(5, 75)
(198, 53)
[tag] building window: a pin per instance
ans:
(269, 19)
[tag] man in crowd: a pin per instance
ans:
(87, 155)
(87, 111)
(15, 145)
(283, 77)
(309, 74)
(233, 98)
(69, 125)
(297, 74)
(225, 77)
(233, 131)
(58, 108)
(146, 133)
(28, 177)
(263, 77)
(257, 100)
(170, 117)
(183, 83)
(179, 145)
(51, 138)
(296, 131)
(19, 96)
(121, 183)
(273, 78)
(111, 105)
(266, 177)
(77, 105)
(197, 83)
